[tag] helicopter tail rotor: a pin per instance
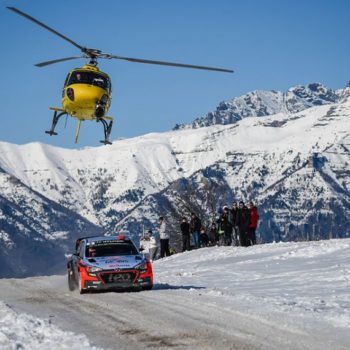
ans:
(77, 131)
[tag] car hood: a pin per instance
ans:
(115, 262)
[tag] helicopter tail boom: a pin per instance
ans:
(77, 131)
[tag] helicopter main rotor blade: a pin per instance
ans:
(94, 54)
(46, 27)
(46, 63)
(172, 64)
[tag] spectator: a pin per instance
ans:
(185, 230)
(164, 238)
(221, 231)
(195, 227)
(235, 235)
(153, 248)
(148, 244)
(227, 227)
(242, 221)
(204, 238)
(213, 235)
(253, 222)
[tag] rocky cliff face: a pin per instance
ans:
(288, 152)
(263, 103)
(35, 232)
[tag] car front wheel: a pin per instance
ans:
(71, 281)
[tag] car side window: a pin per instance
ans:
(81, 249)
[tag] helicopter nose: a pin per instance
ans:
(87, 95)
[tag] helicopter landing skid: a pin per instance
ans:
(107, 128)
(55, 119)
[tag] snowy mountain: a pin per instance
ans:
(293, 161)
(263, 103)
(35, 232)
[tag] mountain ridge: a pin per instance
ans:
(260, 103)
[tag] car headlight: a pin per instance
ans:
(93, 269)
(142, 267)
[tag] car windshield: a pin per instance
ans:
(110, 249)
(91, 78)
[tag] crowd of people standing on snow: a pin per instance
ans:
(233, 226)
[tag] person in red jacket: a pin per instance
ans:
(253, 222)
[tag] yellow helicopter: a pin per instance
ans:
(87, 91)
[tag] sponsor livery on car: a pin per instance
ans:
(108, 262)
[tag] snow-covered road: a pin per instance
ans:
(276, 296)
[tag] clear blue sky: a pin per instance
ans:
(271, 44)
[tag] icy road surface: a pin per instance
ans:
(274, 296)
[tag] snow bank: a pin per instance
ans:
(25, 332)
(309, 280)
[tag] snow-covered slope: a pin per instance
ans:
(290, 296)
(309, 279)
(295, 165)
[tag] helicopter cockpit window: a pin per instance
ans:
(66, 81)
(91, 78)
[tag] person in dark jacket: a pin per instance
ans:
(242, 221)
(204, 237)
(235, 234)
(195, 227)
(213, 235)
(185, 230)
(227, 226)
(253, 222)
(221, 230)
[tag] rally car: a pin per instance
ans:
(107, 263)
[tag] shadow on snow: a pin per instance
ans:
(166, 286)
